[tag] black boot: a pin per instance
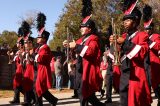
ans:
(33, 97)
(75, 94)
(39, 101)
(50, 98)
(16, 97)
(108, 101)
(102, 93)
(27, 99)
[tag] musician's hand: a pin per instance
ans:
(31, 51)
(106, 53)
(8, 52)
(120, 40)
(72, 44)
(112, 39)
(65, 43)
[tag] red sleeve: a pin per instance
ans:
(90, 50)
(156, 43)
(44, 55)
(141, 47)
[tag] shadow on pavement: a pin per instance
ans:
(67, 101)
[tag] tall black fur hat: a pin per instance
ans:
(41, 18)
(20, 36)
(131, 11)
(25, 30)
(86, 14)
(147, 17)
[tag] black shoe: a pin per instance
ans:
(33, 102)
(14, 102)
(108, 101)
(74, 96)
(55, 103)
(102, 93)
(158, 104)
(102, 104)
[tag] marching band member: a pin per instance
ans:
(88, 49)
(28, 81)
(134, 89)
(18, 77)
(43, 59)
(28, 69)
(154, 46)
(113, 72)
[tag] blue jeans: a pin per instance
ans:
(71, 82)
(58, 82)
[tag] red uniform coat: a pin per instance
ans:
(28, 76)
(44, 78)
(139, 93)
(154, 59)
(91, 78)
(18, 77)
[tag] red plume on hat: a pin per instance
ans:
(147, 16)
(86, 19)
(131, 11)
(129, 6)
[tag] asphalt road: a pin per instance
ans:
(66, 100)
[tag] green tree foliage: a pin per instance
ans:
(103, 12)
(8, 37)
(70, 19)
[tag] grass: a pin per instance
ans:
(6, 93)
(10, 93)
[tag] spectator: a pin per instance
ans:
(103, 69)
(71, 73)
(58, 73)
(4, 46)
(53, 70)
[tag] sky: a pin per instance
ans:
(11, 12)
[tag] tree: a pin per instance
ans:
(103, 11)
(71, 18)
(8, 37)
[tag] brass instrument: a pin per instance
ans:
(28, 53)
(67, 46)
(10, 56)
(69, 39)
(26, 56)
(116, 46)
(21, 56)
